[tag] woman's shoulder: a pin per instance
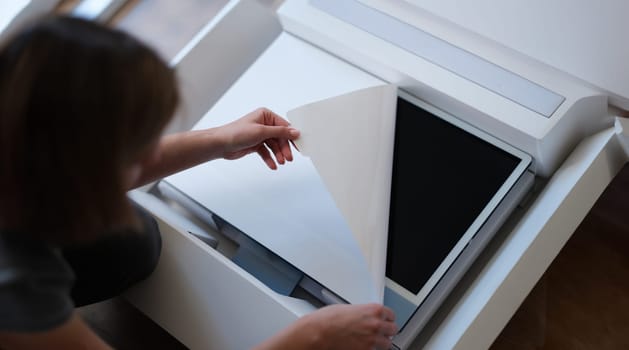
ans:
(35, 284)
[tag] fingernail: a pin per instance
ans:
(293, 132)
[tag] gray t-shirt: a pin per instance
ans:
(35, 284)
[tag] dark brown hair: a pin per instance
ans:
(79, 102)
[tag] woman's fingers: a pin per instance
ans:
(273, 144)
(266, 157)
(387, 314)
(277, 139)
(260, 131)
(388, 329)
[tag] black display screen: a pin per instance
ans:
(442, 178)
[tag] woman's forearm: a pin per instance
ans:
(260, 131)
(180, 151)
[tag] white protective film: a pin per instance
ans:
(349, 138)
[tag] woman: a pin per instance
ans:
(82, 108)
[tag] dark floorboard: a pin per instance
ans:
(582, 301)
(124, 327)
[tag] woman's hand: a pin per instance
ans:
(346, 327)
(367, 326)
(260, 131)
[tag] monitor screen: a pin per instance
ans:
(442, 178)
(447, 179)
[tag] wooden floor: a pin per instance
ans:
(123, 327)
(582, 302)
